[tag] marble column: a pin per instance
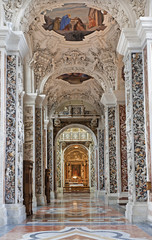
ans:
(14, 129)
(109, 101)
(130, 45)
(3, 214)
(50, 162)
(39, 163)
(29, 139)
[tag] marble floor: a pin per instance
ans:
(77, 217)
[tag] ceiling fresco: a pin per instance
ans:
(74, 78)
(74, 21)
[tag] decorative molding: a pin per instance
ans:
(109, 99)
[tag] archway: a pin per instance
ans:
(75, 152)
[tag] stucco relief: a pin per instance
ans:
(138, 6)
(32, 8)
(97, 62)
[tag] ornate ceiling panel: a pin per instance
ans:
(125, 12)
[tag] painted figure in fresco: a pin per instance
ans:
(79, 26)
(95, 17)
(65, 22)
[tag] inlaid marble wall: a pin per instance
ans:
(101, 160)
(50, 156)
(112, 149)
(135, 128)
(38, 148)
(11, 102)
(28, 128)
(123, 148)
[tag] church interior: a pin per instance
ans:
(76, 119)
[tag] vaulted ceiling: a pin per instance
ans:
(51, 55)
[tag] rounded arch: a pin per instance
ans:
(121, 10)
(100, 78)
(76, 126)
(59, 158)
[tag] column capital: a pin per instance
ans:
(30, 98)
(120, 96)
(46, 122)
(40, 100)
(135, 38)
(109, 99)
(13, 41)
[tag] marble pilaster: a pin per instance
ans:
(109, 101)
(144, 27)
(29, 139)
(121, 148)
(50, 163)
(14, 128)
(39, 164)
(130, 45)
(3, 214)
(101, 166)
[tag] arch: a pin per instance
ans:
(31, 8)
(58, 159)
(101, 79)
(76, 126)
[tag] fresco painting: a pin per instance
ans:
(74, 78)
(74, 21)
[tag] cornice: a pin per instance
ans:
(135, 38)
(13, 41)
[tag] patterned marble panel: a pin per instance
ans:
(112, 150)
(38, 146)
(138, 127)
(11, 130)
(50, 156)
(20, 136)
(58, 164)
(101, 161)
(92, 165)
(28, 128)
(123, 148)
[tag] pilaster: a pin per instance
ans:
(131, 45)
(39, 166)
(16, 48)
(109, 101)
(121, 148)
(29, 139)
(3, 213)
(50, 162)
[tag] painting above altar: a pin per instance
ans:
(74, 21)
